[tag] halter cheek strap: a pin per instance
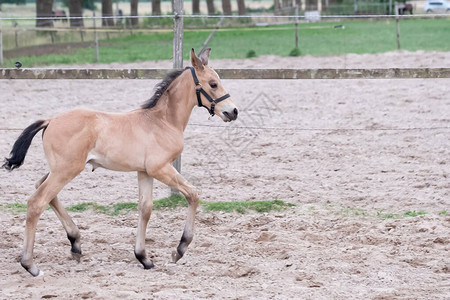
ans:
(200, 91)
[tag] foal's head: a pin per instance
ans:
(219, 102)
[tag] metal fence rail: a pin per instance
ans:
(390, 73)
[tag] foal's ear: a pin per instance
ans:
(204, 56)
(195, 61)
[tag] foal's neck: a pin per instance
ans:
(180, 101)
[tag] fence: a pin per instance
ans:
(397, 73)
(28, 73)
(14, 38)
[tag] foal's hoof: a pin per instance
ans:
(37, 274)
(148, 266)
(147, 263)
(76, 256)
(144, 260)
(33, 270)
(175, 256)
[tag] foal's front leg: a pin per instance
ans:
(145, 210)
(173, 179)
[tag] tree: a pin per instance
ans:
(196, 7)
(134, 12)
(76, 10)
(44, 10)
(156, 7)
(287, 3)
(276, 6)
(226, 6)
(107, 11)
(88, 4)
(241, 7)
(311, 5)
(210, 5)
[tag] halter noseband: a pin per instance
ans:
(199, 90)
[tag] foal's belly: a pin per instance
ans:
(125, 164)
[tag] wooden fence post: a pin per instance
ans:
(178, 35)
(96, 39)
(81, 35)
(52, 36)
(296, 26)
(177, 55)
(1, 39)
(397, 25)
(16, 34)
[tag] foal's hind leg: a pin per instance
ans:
(73, 233)
(145, 210)
(35, 206)
(173, 179)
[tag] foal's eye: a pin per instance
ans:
(213, 85)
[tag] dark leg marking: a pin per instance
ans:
(184, 243)
(25, 266)
(75, 249)
(35, 272)
(147, 263)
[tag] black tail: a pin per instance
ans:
(20, 148)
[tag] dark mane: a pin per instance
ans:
(161, 88)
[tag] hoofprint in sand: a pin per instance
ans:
(347, 237)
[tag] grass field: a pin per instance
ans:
(318, 39)
(241, 207)
(165, 203)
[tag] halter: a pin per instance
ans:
(199, 90)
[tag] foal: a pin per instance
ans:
(146, 140)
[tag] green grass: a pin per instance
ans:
(244, 206)
(250, 54)
(382, 215)
(179, 201)
(170, 202)
(112, 210)
(167, 22)
(228, 207)
(319, 39)
(15, 208)
(414, 213)
(165, 203)
(295, 52)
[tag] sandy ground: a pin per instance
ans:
(345, 158)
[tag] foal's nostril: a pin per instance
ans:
(232, 115)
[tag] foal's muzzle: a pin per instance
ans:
(232, 115)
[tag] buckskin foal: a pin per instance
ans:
(146, 140)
